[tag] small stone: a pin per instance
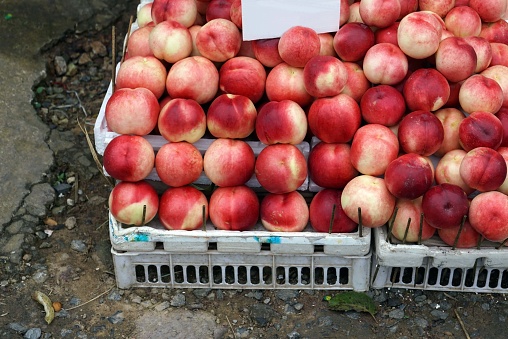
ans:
(262, 314)
(267, 301)
(70, 202)
(4, 283)
(98, 48)
(485, 306)
(79, 246)
(288, 309)
(60, 65)
(116, 318)
(298, 306)
(62, 314)
(136, 299)
(72, 69)
(421, 298)
(70, 223)
(255, 295)
(396, 314)
(438, 314)
(75, 301)
(84, 59)
(115, 295)
(40, 276)
(421, 322)
(45, 244)
(146, 304)
(394, 302)
(62, 188)
(41, 235)
(286, 295)
(294, 335)
(162, 306)
(17, 327)
(33, 333)
(325, 321)
(65, 332)
(201, 292)
(178, 300)
(353, 315)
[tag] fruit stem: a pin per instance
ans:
(143, 217)
(502, 244)
(407, 230)
(204, 219)
(479, 245)
(331, 220)
(360, 225)
(420, 232)
(390, 225)
(113, 59)
(459, 232)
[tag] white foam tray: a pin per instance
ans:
(147, 238)
(437, 252)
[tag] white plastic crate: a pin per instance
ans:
(433, 265)
(264, 270)
(148, 238)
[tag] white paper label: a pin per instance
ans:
(264, 19)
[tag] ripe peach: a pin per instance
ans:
(385, 63)
(231, 116)
(243, 76)
(178, 163)
(194, 78)
(129, 158)
(182, 11)
(147, 72)
(298, 45)
(479, 93)
(324, 76)
(219, 40)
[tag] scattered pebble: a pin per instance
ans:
(201, 292)
(33, 333)
(115, 295)
(396, 314)
(17, 327)
(255, 294)
(136, 299)
(421, 322)
(40, 276)
(286, 295)
(298, 306)
(420, 298)
(146, 303)
(294, 335)
(178, 300)
(70, 223)
(60, 65)
(438, 314)
(162, 306)
(116, 318)
(79, 246)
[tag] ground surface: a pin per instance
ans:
(71, 262)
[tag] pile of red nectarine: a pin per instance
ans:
(405, 106)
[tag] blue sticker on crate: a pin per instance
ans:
(137, 237)
(269, 240)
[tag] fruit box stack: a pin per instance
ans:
(247, 254)
(271, 163)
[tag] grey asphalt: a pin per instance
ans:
(26, 27)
